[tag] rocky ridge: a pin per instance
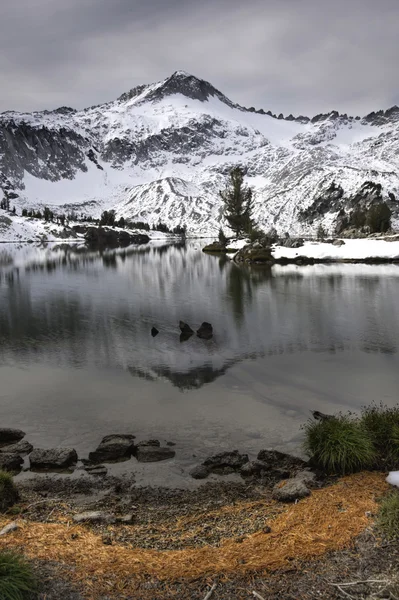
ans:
(161, 152)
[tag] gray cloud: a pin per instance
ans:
(299, 56)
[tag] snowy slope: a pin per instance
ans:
(163, 152)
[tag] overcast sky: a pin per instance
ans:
(299, 56)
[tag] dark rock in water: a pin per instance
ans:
(184, 337)
(113, 448)
(215, 247)
(153, 453)
(100, 470)
(154, 443)
(290, 490)
(199, 472)
(279, 460)
(225, 462)
(10, 436)
(10, 462)
(185, 329)
(205, 332)
(21, 448)
(154, 331)
(253, 468)
(319, 416)
(170, 443)
(53, 458)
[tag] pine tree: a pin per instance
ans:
(238, 203)
(222, 238)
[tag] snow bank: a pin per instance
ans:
(351, 250)
(393, 478)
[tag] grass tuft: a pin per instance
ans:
(382, 424)
(339, 445)
(17, 581)
(8, 492)
(388, 516)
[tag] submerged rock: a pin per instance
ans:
(154, 443)
(113, 448)
(10, 436)
(153, 453)
(205, 332)
(53, 458)
(10, 462)
(225, 462)
(154, 331)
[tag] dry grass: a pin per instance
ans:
(326, 521)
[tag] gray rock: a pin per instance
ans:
(127, 519)
(338, 243)
(113, 448)
(154, 443)
(100, 470)
(226, 462)
(308, 477)
(199, 472)
(153, 453)
(205, 332)
(21, 447)
(53, 458)
(10, 462)
(279, 460)
(9, 528)
(95, 516)
(10, 436)
(290, 490)
(253, 468)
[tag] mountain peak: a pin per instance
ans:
(180, 82)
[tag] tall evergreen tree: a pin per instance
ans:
(238, 205)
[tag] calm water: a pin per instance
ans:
(77, 360)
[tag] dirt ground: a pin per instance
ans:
(176, 521)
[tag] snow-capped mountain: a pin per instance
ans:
(162, 152)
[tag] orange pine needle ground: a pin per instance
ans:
(327, 520)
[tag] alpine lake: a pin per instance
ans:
(78, 360)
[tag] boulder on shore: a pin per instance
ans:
(22, 447)
(53, 458)
(153, 453)
(10, 436)
(225, 462)
(185, 328)
(199, 472)
(113, 448)
(290, 490)
(10, 462)
(273, 459)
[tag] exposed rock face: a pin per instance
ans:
(10, 436)
(225, 462)
(53, 458)
(153, 453)
(113, 448)
(10, 462)
(302, 169)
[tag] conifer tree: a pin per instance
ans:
(238, 203)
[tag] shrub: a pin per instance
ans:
(222, 238)
(388, 516)
(339, 445)
(321, 233)
(17, 581)
(382, 424)
(8, 491)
